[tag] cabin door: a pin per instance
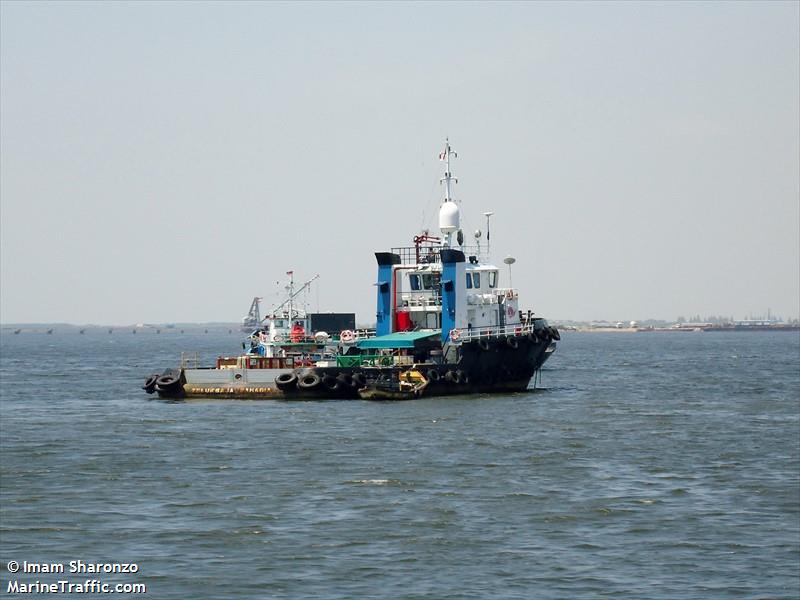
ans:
(501, 311)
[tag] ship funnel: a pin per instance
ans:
(449, 218)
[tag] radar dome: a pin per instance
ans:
(449, 217)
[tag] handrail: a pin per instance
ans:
(430, 254)
(190, 360)
(365, 360)
(475, 333)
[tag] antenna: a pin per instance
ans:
(449, 214)
(509, 260)
(448, 177)
(488, 215)
(292, 294)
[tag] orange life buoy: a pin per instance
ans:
(455, 334)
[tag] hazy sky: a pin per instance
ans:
(166, 162)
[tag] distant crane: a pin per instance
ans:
(253, 318)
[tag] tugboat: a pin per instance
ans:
(444, 326)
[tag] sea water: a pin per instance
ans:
(649, 465)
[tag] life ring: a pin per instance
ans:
(483, 344)
(347, 336)
(433, 375)
(512, 342)
(277, 337)
(455, 334)
(309, 381)
(285, 381)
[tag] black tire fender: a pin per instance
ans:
(330, 382)
(483, 344)
(309, 381)
(433, 375)
(286, 381)
(345, 379)
(512, 342)
(150, 384)
(167, 381)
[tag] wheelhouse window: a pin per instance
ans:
(476, 280)
(469, 281)
(492, 279)
(414, 281)
(430, 281)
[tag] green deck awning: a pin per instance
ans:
(400, 339)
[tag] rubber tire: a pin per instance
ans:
(359, 380)
(331, 383)
(309, 381)
(433, 375)
(554, 333)
(532, 337)
(150, 384)
(346, 380)
(512, 342)
(483, 344)
(167, 381)
(286, 381)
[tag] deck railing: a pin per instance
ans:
(458, 336)
(411, 255)
(190, 360)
